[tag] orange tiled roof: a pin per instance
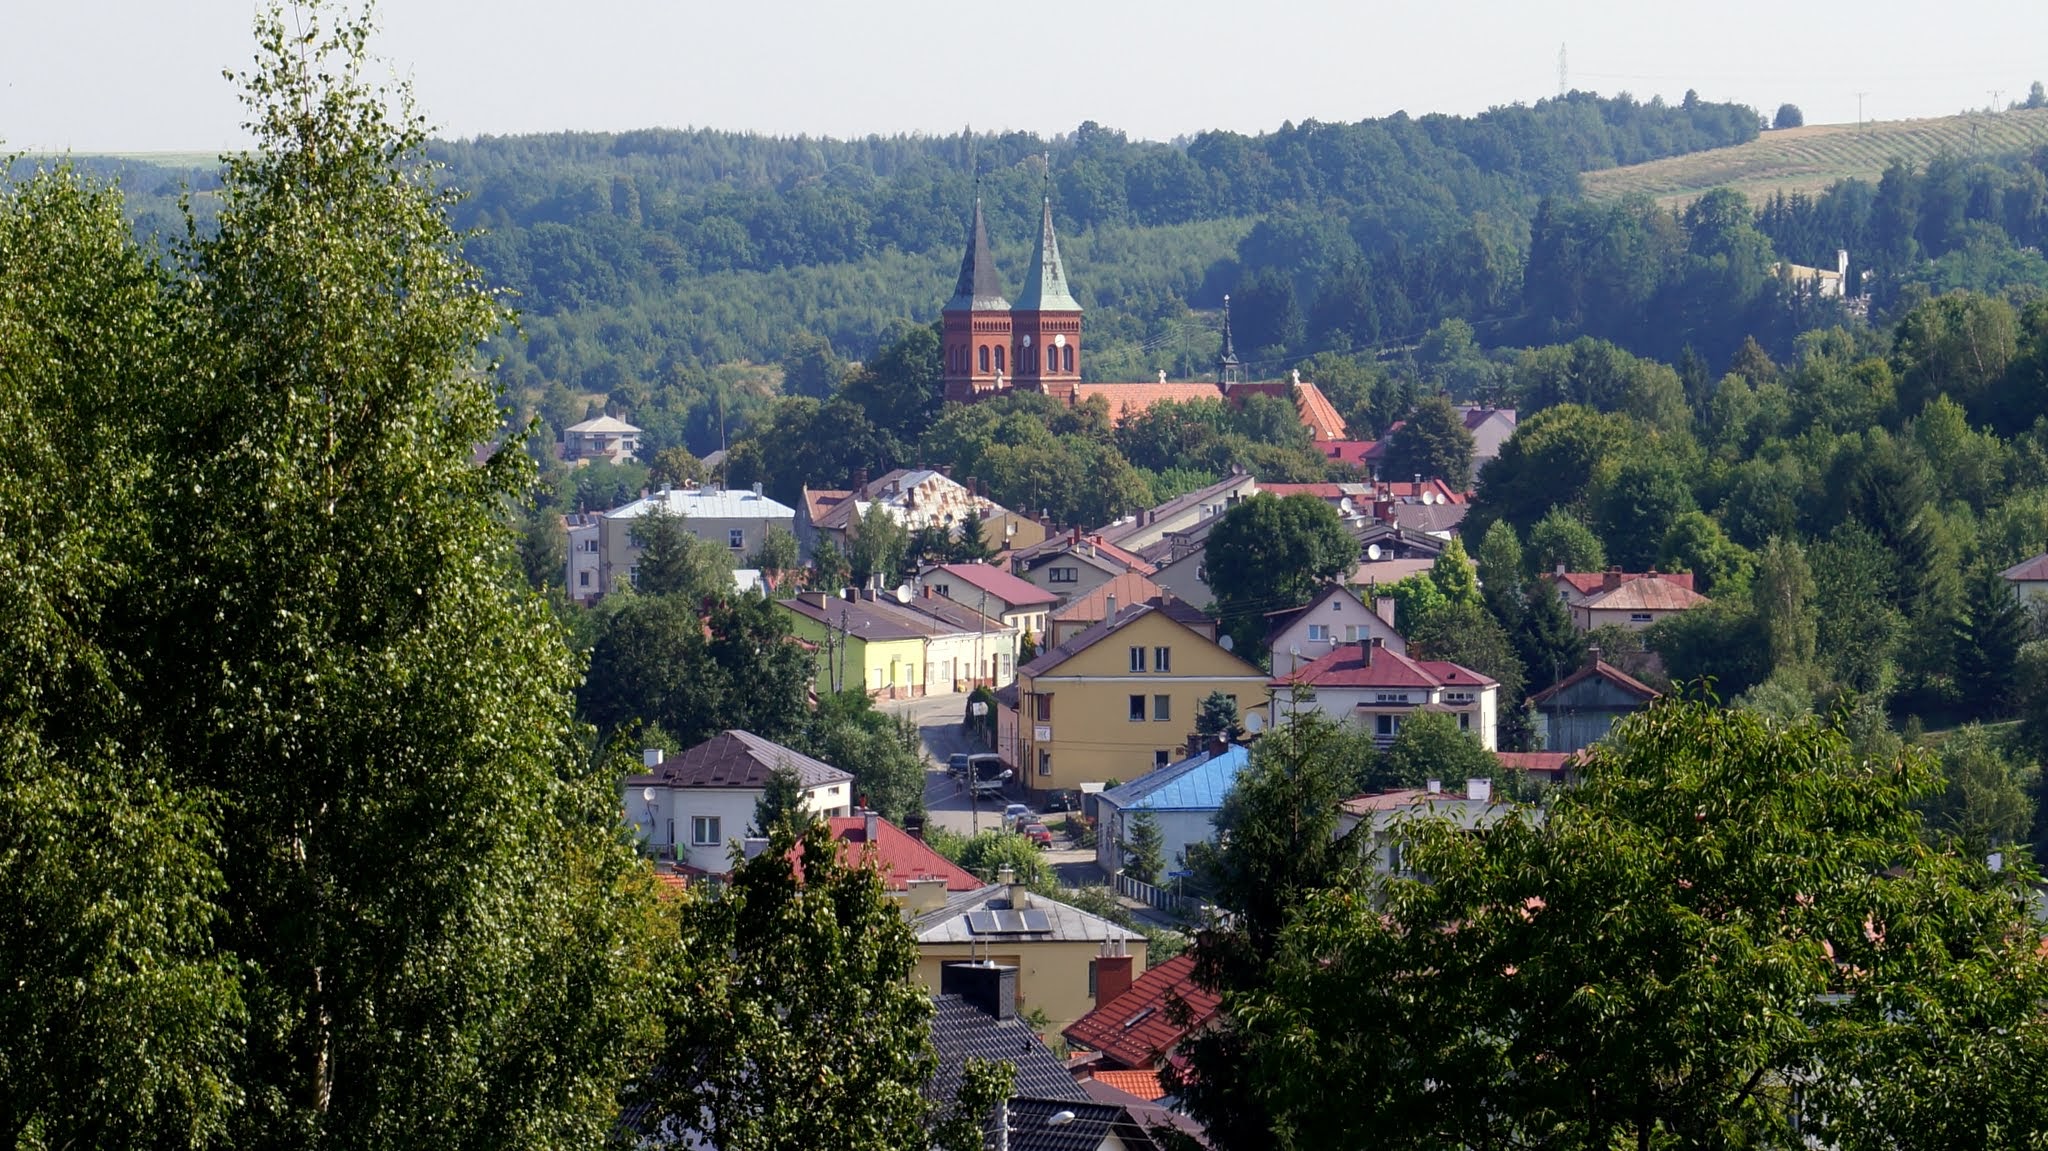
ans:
(1143, 1084)
(1318, 414)
(1127, 400)
(1135, 1028)
(1646, 595)
(1128, 588)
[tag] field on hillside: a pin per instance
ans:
(1811, 158)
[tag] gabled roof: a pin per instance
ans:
(1135, 1028)
(898, 856)
(1108, 554)
(819, 501)
(1603, 670)
(736, 759)
(980, 287)
(1280, 621)
(1127, 587)
(963, 1031)
(868, 619)
(1197, 783)
(1365, 665)
(1186, 501)
(1590, 583)
(1064, 922)
(602, 425)
(956, 614)
(1137, 1084)
(1125, 616)
(1045, 282)
(1126, 400)
(999, 584)
(1318, 414)
(2028, 570)
(1475, 416)
(1646, 595)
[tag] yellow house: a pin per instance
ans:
(1063, 955)
(861, 644)
(1119, 699)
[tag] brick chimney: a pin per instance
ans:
(1112, 977)
(1610, 579)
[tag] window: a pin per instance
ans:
(999, 359)
(1067, 358)
(1044, 762)
(671, 833)
(582, 579)
(1317, 633)
(1390, 697)
(1352, 633)
(1003, 664)
(1464, 721)
(1385, 725)
(1065, 575)
(1639, 617)
(704, 831)
(1137, 709)
(1457, 697)
(1162, 708)
(1162, 659)
(1161, 759)
(984, 358)
(1137, 659)
(1336, 605)
(1044, 708)
(736, 539)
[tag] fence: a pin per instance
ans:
(1131, 887)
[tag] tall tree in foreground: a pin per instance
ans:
(796, 1021)
(297, 638)
(1721, 912)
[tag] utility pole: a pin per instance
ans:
(1859, 110)
(1995, 94)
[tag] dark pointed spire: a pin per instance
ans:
(1045, 285)
(979, 288)
(1229, 369)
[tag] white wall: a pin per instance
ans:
(1350, 619)
(732, 807)
(1177, 829)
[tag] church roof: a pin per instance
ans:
(1045, 285)
(979, 288)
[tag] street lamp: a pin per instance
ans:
(1003, 1128)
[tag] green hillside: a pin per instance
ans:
(1811, 158)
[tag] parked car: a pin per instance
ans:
(1060, 801)
(1039, 834)
(1015, 814)
(956, 765)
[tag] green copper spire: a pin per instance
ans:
(1045, 285)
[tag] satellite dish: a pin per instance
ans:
(903, 593)
(1293, 649)
(1255, 722)
(1345, 505)
(647, 794)
(1226, 643)
(1372, 551)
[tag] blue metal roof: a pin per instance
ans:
(1196, 784)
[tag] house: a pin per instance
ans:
(1371, 684)
(1186, 577)
(2029, 578)
(586, 565)
(918, 499)
(1182, 799)
(1115, 701)
(1579, 709)
(990, 590)
(1081, 614)
(605, 438)
(1063, 956)
(1136, 1031)
(911, 871)
(735, 520)
(1072, 565)
(1135, 533)
(692, 807)
(1337, 615)
(901, 650)
(1373, 821)
(1626, 599)
(1826, 283)
(1490, 428)
(976, 1017)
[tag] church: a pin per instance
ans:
(993, 345)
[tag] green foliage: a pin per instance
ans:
(784, 982)
(1268, 553)
(778, 551)
(987, 853)
(1430, 746)
(674, 562)
(1782, 597)
(660, 661)
(882, 751)
(1466, 634)
(1788, 116)
(1720, 905)
(1218, 717)
(1143, 848)
(781, 799)
(1638, 507)
(1695, 543)
(1552, 460)
(879, 547)
(1561, 539)
(1432, 443)
(1985, 803)
(1454, 577)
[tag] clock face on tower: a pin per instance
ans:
(1027, 339)
(1059, 341)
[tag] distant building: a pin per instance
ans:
(2029, 578)
(1061, 952)
(605, 438)
(693, 807)
(918, 499)
(736, 521)
(1632, 600)
(1182, 798)
(1579, 709)
(1370, 684)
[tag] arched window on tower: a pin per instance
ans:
(1052, 358)
(1067, 359)
(984, 359)
(999, 358)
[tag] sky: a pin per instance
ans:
(146, 75)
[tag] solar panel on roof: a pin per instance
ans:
(1008, 922)
(1034, 920)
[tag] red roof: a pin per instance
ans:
(1364, 665)
(1589, 583)
(1647, 595)
(1318, 414)
(2028, 570)
(1548, 762)
(899, 857)
(1133, 399)
(1143, 1084)
(1136, 1029)
(1357, 453)
(1000, 584)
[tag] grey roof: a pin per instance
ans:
(737, 759)
(712, 503)
(962, 1031)
(1224, 487)
(872, 619)
(979, 288)
(948, 924)
(1093, 1123)
(1045, 284)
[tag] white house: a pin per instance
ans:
(1183, 799)
(602, 438)
(691, 808)
(2029, 578)
(1336, 616)
(1374, 821)
(586, 562)
(1371, 684)
(734, 520)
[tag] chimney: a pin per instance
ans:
(989, 986)
(757, 489)
(1479, 789)
(860, 480)
(1592, 655)
(869, 820)
(1842, 264)
(1383, 607)
(1077, 536)
(650, 757)
(1109, 608)
(1434, 787)
(913, 826)
(924, 894)
(1112, 977)
(1610, 579)
(1560, 567)
(1020, 896)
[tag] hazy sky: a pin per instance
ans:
(145, 75)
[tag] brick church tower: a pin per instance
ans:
(976, 323)
(1046, 322)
